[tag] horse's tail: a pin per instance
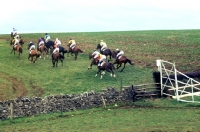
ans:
(20, 49)
(38, 55)
(129, 61)
(62, 56)
(65, 51)
(80, 50)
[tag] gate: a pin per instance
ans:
(176, 84)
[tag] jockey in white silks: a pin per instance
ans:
(14, 31)
(58, 42)
(72, 44)
(119, 53)
(103, 45)
(99, 57)
(31, 46)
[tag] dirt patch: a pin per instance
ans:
(11, 87)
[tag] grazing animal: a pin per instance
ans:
(18, 48)
(93, 62)
(55, 57)
(34, 53)
(109, 67)
(106, 52)
(75, 50)
(121, 60)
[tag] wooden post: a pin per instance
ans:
(104, 103)
(11, 112)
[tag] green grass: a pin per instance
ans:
(23, 78)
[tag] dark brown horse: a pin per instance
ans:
(55, 57)
(121, 60)
(75, 50)
(109, 67)
(34, 53)
(106, 52)
(93, 62)
(18, 48)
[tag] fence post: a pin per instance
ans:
(11, 112)
(103, 100)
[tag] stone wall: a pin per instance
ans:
(32, 106)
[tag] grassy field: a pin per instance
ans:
(23, 78)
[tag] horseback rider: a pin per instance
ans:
(56, 49)
(57, 42)
(40, 43)
(47, 37)
(16, 42)
(119, 53)
(99, 57)
(103, 45)
(31, 46)
(72, 43)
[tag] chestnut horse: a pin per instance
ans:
(121, 60)
(34, 53)
(55, 57)
(93, 62)
(75, 50)
(18, 48)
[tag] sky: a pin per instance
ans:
(46, 16)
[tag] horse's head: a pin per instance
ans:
(114, 54)
(98, 46)
(21, 41)
(90, 56)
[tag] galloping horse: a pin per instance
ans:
(109, 67)
(93, 62)
(106, 52)
(55, 57)
(75, 50)
(18, 48)
(43, 51)
(122, 59)
(34, 53)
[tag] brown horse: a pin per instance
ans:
(121, 60)
(18, 48)
(34, 53)
(75, 50)
(43, 51)
(109, 67)
(55, 57)
(93, 62)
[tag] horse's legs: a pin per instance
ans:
(98, 72)
(118, 65)
(76, 54)
(123, 67)
(53, 62)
